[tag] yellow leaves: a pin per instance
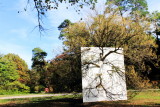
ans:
(135, 80)
(76, 35)
(112, 31)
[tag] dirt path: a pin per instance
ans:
(31, 96)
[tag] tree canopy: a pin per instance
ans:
(12, 78)
(37, 74)
(38, 56)
(134, 7)
(21, 67)
(113, 30)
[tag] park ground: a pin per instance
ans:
(149, 98)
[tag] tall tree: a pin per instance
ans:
(155, 19)
(65, 74)
(113, 31)
(64, 24)
(155, 31)
(38, 68)
(134, 8)
(38, 58)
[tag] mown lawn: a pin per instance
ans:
(136, 99)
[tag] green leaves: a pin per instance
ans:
(129, 6)
(20, 66)
(8, 72)
(38, 57)
(13, 73)
(37, 74)
(155, 16)
(64, 24)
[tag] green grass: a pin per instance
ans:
(149, 95)
(144, 98)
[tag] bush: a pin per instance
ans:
(10, 92)
(17, 86)
(134, 79)
(14, 88)
(39, 88)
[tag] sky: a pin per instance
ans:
(18, 34)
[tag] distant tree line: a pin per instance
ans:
(58, 75)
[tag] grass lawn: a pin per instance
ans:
(136, 99)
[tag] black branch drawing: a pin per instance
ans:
(97, 85)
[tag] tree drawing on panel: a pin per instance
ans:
(103, 74)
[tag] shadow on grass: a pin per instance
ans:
(71, 102)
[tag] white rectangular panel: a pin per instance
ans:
(103, 78)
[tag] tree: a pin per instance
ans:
(64, 73)
(8, 72)
(112, 30)
(42, 6)
(38, 58)
(38, 69)
(134, 8)
(21, 67)
(64, 24)
(154, 18)
(9, 78)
